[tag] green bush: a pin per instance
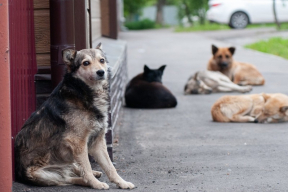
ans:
(143, 24)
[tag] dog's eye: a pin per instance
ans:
(220, 56)
(85, 63)
(102, 60)
(227, 56)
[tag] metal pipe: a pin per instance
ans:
(62, 34)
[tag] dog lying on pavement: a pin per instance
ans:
(53, 146)
(239, 73)
(147, 91)
(206, 82)
(262, 108)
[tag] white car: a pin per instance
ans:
(239, 13)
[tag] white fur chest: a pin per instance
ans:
(101, 100)
(101, 103)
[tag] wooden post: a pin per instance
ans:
(109, 20)
(5, 110)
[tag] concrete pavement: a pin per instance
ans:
(181, 149)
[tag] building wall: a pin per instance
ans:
(169, 14)
(42, 32)
(95, 19)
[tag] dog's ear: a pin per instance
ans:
(232, 50)
(99, 46)
(68, 56)
(284, 109)
(265, 96)
(162, 68)
(214, 49)
(146, 69)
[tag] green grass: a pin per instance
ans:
(284, 26)
(276, 46)
(206, 27)
(215, 26)
(144, 24)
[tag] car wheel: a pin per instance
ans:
(239, 20)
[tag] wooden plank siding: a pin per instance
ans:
(41, 4)
(42, 32)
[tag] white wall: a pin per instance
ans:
(95, 19)
(170, 14)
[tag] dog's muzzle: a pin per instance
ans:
(223, 65)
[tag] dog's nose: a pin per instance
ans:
(100, 73)
(223, 64)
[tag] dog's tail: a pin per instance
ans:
(51, 174)
(217, 114)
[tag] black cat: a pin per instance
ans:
(147, 91)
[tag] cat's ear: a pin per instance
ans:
(146, 69)
(162, 68)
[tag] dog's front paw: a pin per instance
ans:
(126, 185)
(100, 185)
(97, 174)
(246, 89)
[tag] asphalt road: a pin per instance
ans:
(181, 149)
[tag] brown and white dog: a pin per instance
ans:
(206, 82)
(53, 145)
(262, 108)
(239, 73)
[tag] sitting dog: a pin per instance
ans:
(147, 91)
(53, 145)
(262, 108)
(206, 82)
(239, 73)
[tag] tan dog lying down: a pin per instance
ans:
(238, 72)
(262, 108)
(205, 82)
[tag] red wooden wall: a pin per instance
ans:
(22, 62)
